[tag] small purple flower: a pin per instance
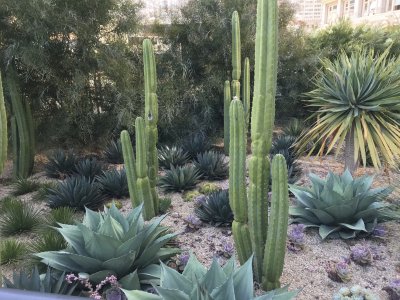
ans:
(361, 255)
(192, 223)
(393, 289)
(379, 231)
(338, 271)
(200, 200)
(296, 237)
(182, 260)
(227, 249)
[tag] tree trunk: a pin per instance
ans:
(349, 162)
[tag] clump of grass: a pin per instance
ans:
(43, 191)
(18, 217)
(24, 186)
(12, 251)
(63, 215)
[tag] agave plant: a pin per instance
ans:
(212, 165)
(50, 282)
(215, 209)
(108, 243)
(295, 128)
(172, 156)
(339, 204)
(89, 168)
(356, 98)
(113, 153)
(217, 283)
(180, 179)
(196, 143)
(76, 192)
(60, 164)
(114, 183)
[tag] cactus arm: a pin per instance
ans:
(236, 55)
(143, 181)
(275, 247)
(129, 162)
(227, 103)
(246, 91)
(151, 117)
(3, 129)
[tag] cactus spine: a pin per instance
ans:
(130, 167)
(227, 103)
(143, 182)
(268, 237)
(246, 91)
(3, 129)
(151, 117)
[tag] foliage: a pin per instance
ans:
(189, 196)
(43, 191)
(64, 215)
(361, 255)
(192, 222)
(24, 186)
(338, 205)
(295, 128)
(179, 179)
(216, 209)
(172, 156)
(165, 204)
(113, 152)
(208, 188)
(355, 100)
(117, 203)
(219, 283)
(113, 183)
(212, 165)
(51, 282)
(339, 271)
(196, 143)
(11, 251)
(296, 238)
(60, 164)
(353, 293)
(122, 246)
(50, 240)
(17, 217)
(76, 192)
(89, 168)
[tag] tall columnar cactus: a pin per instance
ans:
(24, 159)
(227, 103)
(236, 55)
(143, 182)
(151, 117)
(268, 237)
(3, 129)
(246, 91)
(130, 167)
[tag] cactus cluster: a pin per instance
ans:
(142, 173)
(3, 129)
(253, 231)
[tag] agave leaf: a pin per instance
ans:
(325, 230)
(304, 214)
(116, 215)
(341, 211)
(73, 237)
(278, 294)
(112, 228)
(305, 199)
(91, 219)
(140, 295)
(148, 255)
(323, 217)
(100, 275)
(367, 215)
(359, 225)
(347, 234)
(226, 291)
(167, 294)
(150, 274)
(194, 270)
(173, 280)
(130, 281)
(229, 266)
(346, 177)
(164, 253)
(133, 244)
(242, 281)
(214, 277)
(61, 260)
(122, 264)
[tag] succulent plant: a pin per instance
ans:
(212, 165)
(339, 271)
(218, 283)
(50, 282)
(393, 289)
(228, 249)
(192, 223)
(113, 152)
(89, 168)
(182, 260)
(379, 231)
(361, 255)
(356, 292)
(216, 209)
(172, 156)
(338, 205)
(294, 128)
(165, 204)
(108, 243)
(296, 237)
(113, 183)
(179, 179)
(60, 164)
(196, 143)
(208, 188)
(76, 192)
(117, 203)
(189, 196)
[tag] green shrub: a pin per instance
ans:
(76, 192)
(64, 215)
(12, 251)
(113, 153)
(212, 165)
(89, 168)
(113, 183)
(190, 195)
(60, 164)
(165, 204)
(172, 156)
(196, 143)
(179, 179)
(18, 217)
(208, 188)
(215, 209)
(24, 186)
(124, 246)
(295, 128)
(338, 205)
(43, 191)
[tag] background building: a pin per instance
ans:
(161, 10)
(308, 12)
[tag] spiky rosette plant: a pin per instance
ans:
(60, 164)
(215, 209)
(338, 205)
(172, 156)
(180, 179)
(212, 165)
(109, 243)
(217, 283)
(356, 102)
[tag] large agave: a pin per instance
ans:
(60, 164)
(108, 243)
(179, 179)
(46, 283)
(215, 209)
(172, 156)
(339, 204)
(212, 165)
(217, 283)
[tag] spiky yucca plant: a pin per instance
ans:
(295, 128)
(217, 283)
(89, 168)
(114, 183)
(180, 179)
(60, 164)
(113, 152)
(196, 143)
(172, 156)
(212, 165)
(338, 205)
(356, 102)
(215, 209)
(109, 243)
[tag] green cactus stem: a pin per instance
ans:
(151, 117)
(227, 103)
(246, 92)
(3, 129)
(236, 55)
(275, 247)
(143, 181)
(130, 167)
